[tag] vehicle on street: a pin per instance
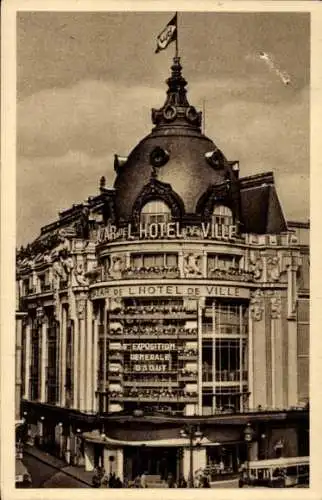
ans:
(276, 473)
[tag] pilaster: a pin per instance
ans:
(89, 355)
(81, 312)
(27, 354)
(257, 350)
(43, 370)
(62, 378)
(95, 363)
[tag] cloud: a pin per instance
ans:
(67, 138)
(91, 116)
(47, 185)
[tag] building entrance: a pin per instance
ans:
(158, 461)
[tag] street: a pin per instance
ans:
(46, 476)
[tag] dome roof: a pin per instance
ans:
(191, 163)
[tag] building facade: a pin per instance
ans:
(178, 299)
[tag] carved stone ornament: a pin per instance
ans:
(80, 275)
(117, 263)
(115, 304)
(273, 268)
(80, 308)
(191, 265)
(156, 189)
(257, 305)
(215, 194)
(276, 304)
(40, 315)
(255, 265)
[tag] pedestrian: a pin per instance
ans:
(96, 482)
(118, 483)
(182, 483)
(143, 480)
(205, 482)
(137, 482)
(171, 481)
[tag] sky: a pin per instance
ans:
(86, 83)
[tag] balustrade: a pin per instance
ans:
(150, 272)
(224, 375)
(231, 274)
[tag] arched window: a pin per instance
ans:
(155, 211)
(222, 215)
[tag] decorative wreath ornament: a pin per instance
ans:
(159, 157)
(169, 113)
(191, 114)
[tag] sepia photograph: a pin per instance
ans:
(162, 249)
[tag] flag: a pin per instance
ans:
(168, 35)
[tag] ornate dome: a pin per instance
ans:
(176, 152)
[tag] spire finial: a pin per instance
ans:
(176, 107)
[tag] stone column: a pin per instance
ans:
(199, 312)
(27, 354)
(181, 264)
(119, 463)
(257, 351)
(292, 363)
(95, 362)
(62, 381)
(250, 367)
(68, 446)
(75, 363)
(89, 456)
(18, 366)
(81, 308)
(204, 265)
(89, 355)
(43, 369)
(106, 308)
(276, 351)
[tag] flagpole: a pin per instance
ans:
(177, 45)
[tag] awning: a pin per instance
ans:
(96, 437)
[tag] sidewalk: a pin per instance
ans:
(71, 470)
(85, 477)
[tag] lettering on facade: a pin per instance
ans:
(168, 230)
(169, 290)
(150, 357)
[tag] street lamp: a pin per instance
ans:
(193, 433)
(248, 436)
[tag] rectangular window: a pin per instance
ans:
(158, 260)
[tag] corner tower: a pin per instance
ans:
(190, 162)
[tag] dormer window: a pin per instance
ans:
(222, 215)
(155, 211)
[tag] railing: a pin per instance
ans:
(187, 354)
(153, 394)
(153, 309)
(46, 287)
(150, 383)
(224, 375)
(231, 274)
(135, 378)
(226, 329)
(139, 332)
(151, 272)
